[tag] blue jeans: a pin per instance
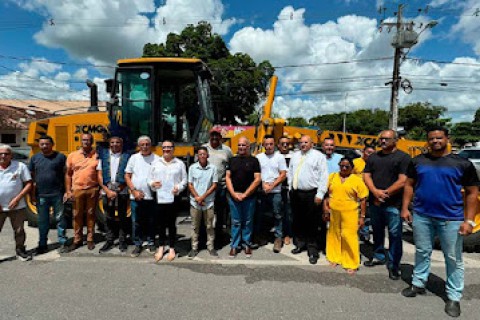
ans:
(381, 217)
(43, 208)
(242, 221)
(143, 221)
(269, 201)
(424, 231)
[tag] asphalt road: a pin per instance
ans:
(87, 285)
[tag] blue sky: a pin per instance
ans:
(311, 35)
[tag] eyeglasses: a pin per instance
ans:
(345, 166)
(242, 145)
(167, 147)
(5, 154)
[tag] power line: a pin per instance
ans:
(56, 62)
(40, 79)
(477, 65)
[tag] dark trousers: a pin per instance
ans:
(306, 220)
(167, 219)
(111, 225)
(221, 212)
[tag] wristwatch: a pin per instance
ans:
(471, 222)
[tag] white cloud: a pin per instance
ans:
(40, 79)
(103, 31)
(63, 76)
(467, 26)
(317, 50)
(81, 74)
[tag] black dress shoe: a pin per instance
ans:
(123, 247)
(412, 291)
(296, 250)
(373, 263)
(41, 250)
(452, 308)
(106, 247)
(313, 259)
(394, 274)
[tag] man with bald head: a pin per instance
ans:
(242, 179)
(385, 175)
(307, 178)
(81, 186)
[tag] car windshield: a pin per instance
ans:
(470, 154)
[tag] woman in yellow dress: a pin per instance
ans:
(345, 192)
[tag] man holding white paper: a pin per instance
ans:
(169, 178)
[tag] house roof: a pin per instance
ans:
(16, 114)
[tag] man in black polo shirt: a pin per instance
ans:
(242, 179)
(48, 171)
(385, 177)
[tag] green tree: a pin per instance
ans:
(417, 117)
(238, 84)
(365, 121)
(465, 132)
(476, 119)
(297, 122)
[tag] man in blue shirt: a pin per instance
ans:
(48, 170)
(333, 158)
(434, 182)
(202, 182)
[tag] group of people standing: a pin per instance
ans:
(306, 191)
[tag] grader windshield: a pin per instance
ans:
(164, 98)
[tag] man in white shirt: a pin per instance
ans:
(202, 182)
(308, 179)
(142, 205)
(114, 191)
(273, 169)
(219, 155)
(15, 182)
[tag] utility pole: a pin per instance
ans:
(405, 37)
(393, 119)
(345, 114)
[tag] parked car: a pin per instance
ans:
(20, 155)
(472, 154)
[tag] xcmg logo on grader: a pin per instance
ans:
(366, 141)
(90, 128)
(347, 139)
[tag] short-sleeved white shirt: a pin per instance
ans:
(12, 180)
(140, 166)
(114, 164)
(270, 167)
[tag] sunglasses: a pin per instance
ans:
(345, 166)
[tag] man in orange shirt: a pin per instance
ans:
(81, 184)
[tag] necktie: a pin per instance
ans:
(297, 172)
